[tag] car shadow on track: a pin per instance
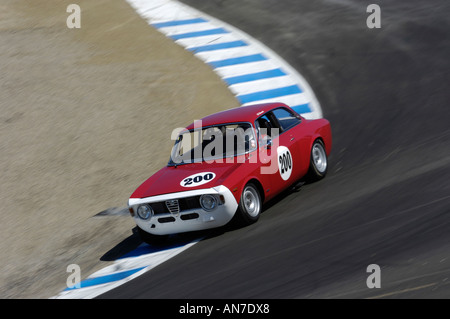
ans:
(133, 245)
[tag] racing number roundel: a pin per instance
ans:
(197, 179)
(284, 162)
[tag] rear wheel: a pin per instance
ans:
(250, 205)
(318, 166)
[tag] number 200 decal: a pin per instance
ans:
(197, 179)
(284, 162)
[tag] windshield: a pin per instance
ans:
(212, 143)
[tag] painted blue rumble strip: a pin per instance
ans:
(268, 94)
(254, 76)
(218, 46)
(106, 279)
(177, 22)
(238, 60)
(198, 33)
(303, 108)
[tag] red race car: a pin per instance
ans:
(227, 165)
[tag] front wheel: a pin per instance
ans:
(318, 166)
(250, 205)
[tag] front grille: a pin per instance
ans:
(159, 208)
(189, 203)
(173, 206)
(184, 204)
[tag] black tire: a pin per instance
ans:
(250, 205)
(152, 239)
(318, 166)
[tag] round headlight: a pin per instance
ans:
(208, 202)
(144, 211)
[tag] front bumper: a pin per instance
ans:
(188, 218)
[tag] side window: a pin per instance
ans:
(286, 118)
(266, 126)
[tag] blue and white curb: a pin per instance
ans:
(252, 71)
(124, 269)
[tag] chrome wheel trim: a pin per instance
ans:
(319, 158)
(251, 201)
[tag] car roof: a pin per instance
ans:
(239, 114)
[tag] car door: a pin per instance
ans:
(277, 154)
(290, 157)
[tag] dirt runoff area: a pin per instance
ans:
(86, 116)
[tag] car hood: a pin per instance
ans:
(172, 179)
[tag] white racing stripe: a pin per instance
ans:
(206, 40)
(249, 68)
(261, 85)
(228, 53)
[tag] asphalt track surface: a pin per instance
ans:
(386, 199)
